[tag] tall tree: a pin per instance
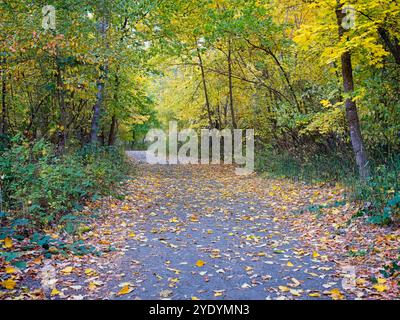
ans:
(203, 79)
(351, 107)
(3, 121)
(102, 29)
(232, 108)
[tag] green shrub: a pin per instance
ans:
(308, 167)
(38, 185)
(381, 193)
(379, 197)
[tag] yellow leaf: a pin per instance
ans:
(93, 285)
(200, 263)
(132, 234)
(315, 254)
(289, 264)
(8, 243)
(381, 280)
(90, 272)
(336, 294)
(125, 290)
(314, 294)
(67, 270)
(195, 298)
(380, 287)
(54, 292)
(10, 270)
(284, 288)
(8, 284)
(174, 270)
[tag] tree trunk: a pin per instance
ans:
(4, 123)
(95, 127)
(219, 127)
(203, 78)
(113, 127)
(62, 139)
(351, 107)
(230, 85)
(226, 111)
(114, 121)
(392, 44)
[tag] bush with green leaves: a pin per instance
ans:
(304, 165)
(39, 185)
(381, 194)
(379, 197)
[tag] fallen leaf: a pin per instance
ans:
(218, 293)
(67, 270)
(125, 290)
(380, 287)
(200, 263)
(10, 270)
(166, 293)
(90, 272)
(8, 284)
(314, 294)
(284, 288)
(8, 243)
(54, 292)
(336, 294)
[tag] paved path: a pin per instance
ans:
(194, 232)
(200, 232)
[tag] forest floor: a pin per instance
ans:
(202, 232)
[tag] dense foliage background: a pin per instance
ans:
(110, 70)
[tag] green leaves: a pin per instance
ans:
(47, 186)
